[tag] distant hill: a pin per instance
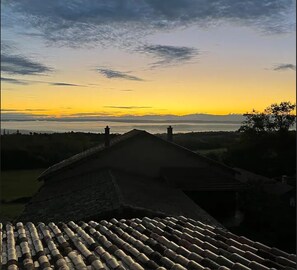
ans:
(229, 118)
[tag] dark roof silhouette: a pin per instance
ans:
(171, 243)
(200, 179)
(131, 175)
(125, 138)
(88, 153)
(108, 193)
(269, 185)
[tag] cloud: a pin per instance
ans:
(76, 23)
(127, 90)
(7, 46)
(128, 107)
(20, 65)
(113, 74)
(28, 82)
(85, 114)
(64, 84)
(14, 81)
(21, 116)
(24, 110)
(283, 67)
(17, 64)
(168, 55)
(11, 110)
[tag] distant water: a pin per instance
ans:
(116, 127)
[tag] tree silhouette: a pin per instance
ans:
(275, 118)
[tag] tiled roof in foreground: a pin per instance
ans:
(136, 244)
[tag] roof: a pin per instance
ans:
(200, 179)
(72, 199)
(252, 178)
(119, 140)
(148, 193)
(278, 188)
(269, 185)
(109, 193)
(135, 244)
(90, 152)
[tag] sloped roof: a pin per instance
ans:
(90, 152)
(110, 192)
(117, 140)
(200, 179)
(269, 185)
(135, 244)
(277, 188)
(148, 193)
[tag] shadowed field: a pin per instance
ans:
(17, 186)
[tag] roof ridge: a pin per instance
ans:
(130, 134)
(89, 152)
(197, 154)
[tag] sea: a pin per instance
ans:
(44, 126)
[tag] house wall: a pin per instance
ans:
(144, 154)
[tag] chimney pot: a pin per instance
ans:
(106, 137)
(169, 134)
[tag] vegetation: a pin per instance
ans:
(22, 151)
(275, 118)
(16, 188)
(268, 153)
(266, 146)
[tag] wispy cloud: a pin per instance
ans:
(113, 74)
(284, 67)
(90, 114)
(28, 82)
(23, 110)
(21, 116)
(64, 84)
(20, 65)
(128, 107)
(17, 64)
(11, 110)
(14, 81)
(168, 55)
(76, 23)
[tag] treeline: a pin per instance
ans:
(41, 150)
(22, 151)
(270, 154)
(205, 140)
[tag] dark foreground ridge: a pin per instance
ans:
(173, 243)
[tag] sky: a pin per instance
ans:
(146, 57)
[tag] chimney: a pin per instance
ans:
(106, 137)
(169, 134)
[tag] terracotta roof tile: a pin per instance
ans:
(134, 244)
